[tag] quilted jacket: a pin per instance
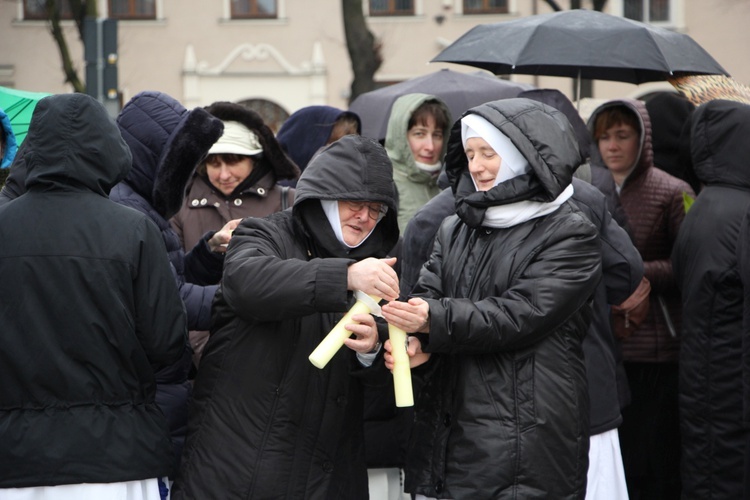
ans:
(653, 203)
(503, 410)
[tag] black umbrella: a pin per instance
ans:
(459, 91)
(581, 44)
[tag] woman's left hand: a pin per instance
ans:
(413, 350)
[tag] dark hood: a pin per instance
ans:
(670, 115)
(557, 100)
(352, 168)
(168, 142)
(720, 145)
(273, 155)
(308, 129)
(73, 143)
(541, 133)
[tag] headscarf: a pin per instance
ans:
(513, 165)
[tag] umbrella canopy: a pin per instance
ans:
(581, 44)
(19, 106)
(459, 91)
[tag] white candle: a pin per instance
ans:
(336, 337)
(401, 370)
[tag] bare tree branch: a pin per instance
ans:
(364, 49)
(71, 75)
(553, 5)
(599, 5)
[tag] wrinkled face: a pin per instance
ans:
(484, 163)
(227, 176)
(426, 141)
(619, 147)
(358, 218)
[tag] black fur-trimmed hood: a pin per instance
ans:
(167, 142)
(281, 165)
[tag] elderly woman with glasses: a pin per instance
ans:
(266, 423)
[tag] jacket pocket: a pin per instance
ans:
(524, 392)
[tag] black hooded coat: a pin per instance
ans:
(503, 412)
(265, 423)
(89, 309)
(705, 265)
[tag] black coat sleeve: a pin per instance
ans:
(161, 322)
(266, 280)
(743, 264)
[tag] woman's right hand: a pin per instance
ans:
(412, 316)
(414, 350)
(374, 277)
(219, 241)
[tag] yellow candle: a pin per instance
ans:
(336, 337)
(401, 370)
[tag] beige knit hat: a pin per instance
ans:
(237, 139)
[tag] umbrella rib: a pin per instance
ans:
(661, 52)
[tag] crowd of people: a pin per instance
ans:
(575, 295)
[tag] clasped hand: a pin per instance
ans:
(411, 316)
(374, 277)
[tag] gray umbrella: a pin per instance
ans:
(581, 44)
(459, 91)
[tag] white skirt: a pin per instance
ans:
(606, 476)
(147, 489)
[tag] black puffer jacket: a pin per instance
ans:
(504, 409)
(622, 270)
(704, 261)
(265, 422)
(89, 307)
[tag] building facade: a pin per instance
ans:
(280, 55)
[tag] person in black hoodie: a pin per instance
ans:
(265, 422)
(89, 309)
(705, 266)
(670, 135)
(503, 306)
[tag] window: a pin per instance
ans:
(485, 6)
(391, 7)
(254, 9)
(132, 9)
(273, 115)
(647, 11)
(37, 9)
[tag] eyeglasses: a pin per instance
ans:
(376, 211)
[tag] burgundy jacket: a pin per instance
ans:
(653, 203)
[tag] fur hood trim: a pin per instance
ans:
(184, 151)
(282, 166)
